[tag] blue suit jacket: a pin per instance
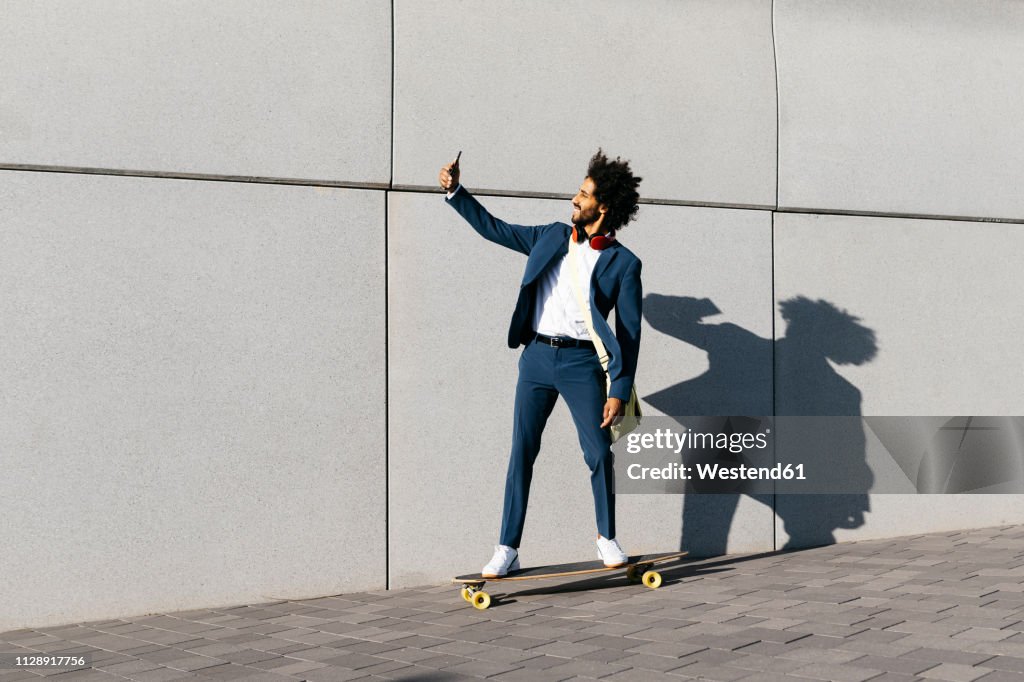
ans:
(615, 284)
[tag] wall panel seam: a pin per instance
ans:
(200, 177)
(387, 403)
(775, 541)
(771, 312)
(422, 189)
(387, 325)
(778, 105)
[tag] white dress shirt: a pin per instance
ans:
(555, 311)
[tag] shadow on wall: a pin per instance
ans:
(739, 382)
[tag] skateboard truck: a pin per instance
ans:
(642, 573)
(474, 594)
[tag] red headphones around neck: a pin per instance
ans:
(598, 242)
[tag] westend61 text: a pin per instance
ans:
(666, 439)
(716, 472)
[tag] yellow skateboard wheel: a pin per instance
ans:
(652, 579)
(481, 600)
(466, 594)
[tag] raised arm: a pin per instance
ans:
(519, 238)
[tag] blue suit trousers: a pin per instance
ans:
(545, 373)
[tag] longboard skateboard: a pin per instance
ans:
(638, 570)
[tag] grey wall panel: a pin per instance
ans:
(237, 87)
(907, 107)
(452, 382)
(685, 89)
(707, 295)
(941, 298)
(699, 362)
(191, 380)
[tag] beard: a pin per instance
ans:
(586, 218)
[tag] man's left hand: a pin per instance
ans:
(612, 409)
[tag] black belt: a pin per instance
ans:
(565, 342)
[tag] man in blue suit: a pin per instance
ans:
(559, 357)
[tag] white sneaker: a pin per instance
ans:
(610, 553)
(505, 559)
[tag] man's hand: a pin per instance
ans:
(448, 178)
(612, 409)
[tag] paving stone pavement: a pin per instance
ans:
(945, 606)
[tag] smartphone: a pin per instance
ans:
(456, 164)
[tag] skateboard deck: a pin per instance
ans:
(638, 569)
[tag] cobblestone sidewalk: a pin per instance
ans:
(944, 606)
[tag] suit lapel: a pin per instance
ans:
(604, 260)
(541, 260)
(559, 248)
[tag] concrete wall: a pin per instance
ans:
(219, 392)
(688, 91)
(184, 421)
(238, 88)
(901, 107)
(940, 297)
